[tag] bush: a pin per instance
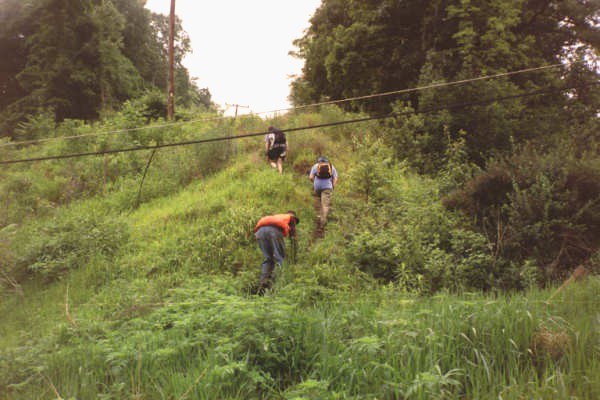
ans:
(538, 206)
(67, 241)
(150, 106)
(405, 235)
(372, 174)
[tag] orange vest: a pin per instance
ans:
(279, 220)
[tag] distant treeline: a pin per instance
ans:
(80, 58)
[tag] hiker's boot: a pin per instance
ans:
(263, 285)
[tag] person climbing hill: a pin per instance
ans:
(276, 148)
(270, 232)
(324, 177)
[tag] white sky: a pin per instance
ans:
(240, 48)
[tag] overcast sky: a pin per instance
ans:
(240, 47)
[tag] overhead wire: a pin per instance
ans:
(329, 102)
(430, 86)
(324, 125)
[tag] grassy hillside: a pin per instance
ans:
(153, 302)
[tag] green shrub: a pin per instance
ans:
(372, 174)
(405, 235)
(66, 241)
(152, 105)
(537, 206)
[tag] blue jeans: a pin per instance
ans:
(270, 241)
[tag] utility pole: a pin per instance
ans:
(171, 81)
(236, 108)
(230, 145)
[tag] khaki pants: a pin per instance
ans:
(323, 205)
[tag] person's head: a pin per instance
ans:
(322, 159)
(293, 214)
(271, 128)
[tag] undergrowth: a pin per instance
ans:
(105, 297)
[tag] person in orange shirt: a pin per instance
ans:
(270, 232)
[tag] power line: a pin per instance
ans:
(324, 125)
(430, 86)
(375, 95)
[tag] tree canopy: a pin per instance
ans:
(359, 48)
(81, 58)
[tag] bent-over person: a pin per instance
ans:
(270, 232)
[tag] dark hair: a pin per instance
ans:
(293, 213)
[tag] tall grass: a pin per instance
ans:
(210, 341)
(164, 311)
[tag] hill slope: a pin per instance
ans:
(154, 303)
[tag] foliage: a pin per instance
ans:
(371, 175)
(207, 340)
(372, 44)
(67, 242)
(80, 59)
(408, 237)
(111, 297)
(537, 205)
(112, 289)
(360, 48)
(38, 188)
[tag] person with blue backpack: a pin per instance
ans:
(324, 177)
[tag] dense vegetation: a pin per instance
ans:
(531, 159)
(355, 48)
(82, 59)
(437, 275)
(107, 297)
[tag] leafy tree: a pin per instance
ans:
(59, 73)
(187, 92)
(357, 48)
(117, 77)
(80, 58)
(12, 35)
(141, 44)
(14, 30)
(495, 37)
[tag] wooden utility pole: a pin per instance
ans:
(171, 83)
(236, 108)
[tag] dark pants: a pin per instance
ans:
(270, 241)
(275, 153)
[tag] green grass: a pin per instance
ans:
(210, 339)
(164, 312)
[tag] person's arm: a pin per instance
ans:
(311, 174)
(334, 177)
(292, 231)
